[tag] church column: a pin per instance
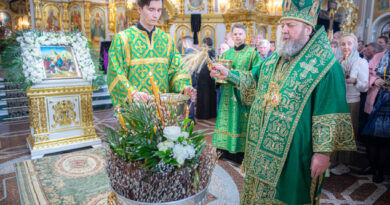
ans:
(38, 14)
(181, 9)
(273, 32)
(249, 35)
(111, 16)
(65, 16)
(87, 19)
(251, 30)
(210, 6)
(32, 14)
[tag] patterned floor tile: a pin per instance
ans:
(345, 189)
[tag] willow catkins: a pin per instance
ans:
(172, 184)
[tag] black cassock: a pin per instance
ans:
(206, 103)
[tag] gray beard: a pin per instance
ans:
(290, 48)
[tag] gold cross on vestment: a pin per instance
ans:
(160, 47)
(139, 46)
(308, 67)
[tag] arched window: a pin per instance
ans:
(385, 29)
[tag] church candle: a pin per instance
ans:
(154, 86)
(187, 112)
(156, 94)
(121, 120)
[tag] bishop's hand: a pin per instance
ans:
(319, 164)
(219, 71)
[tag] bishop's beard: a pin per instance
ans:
(292, 47)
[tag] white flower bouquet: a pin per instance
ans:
(33, 64)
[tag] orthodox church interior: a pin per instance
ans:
(53, 171)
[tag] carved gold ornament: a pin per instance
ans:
(64, 112)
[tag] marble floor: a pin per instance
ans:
(346, 189)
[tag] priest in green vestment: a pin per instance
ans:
(144, 52)
(232, 118)
(299, 114)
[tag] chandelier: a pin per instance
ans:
(131, 4)
(275, 7)
(223, 5)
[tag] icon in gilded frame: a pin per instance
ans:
(195, 4)
(59, 62)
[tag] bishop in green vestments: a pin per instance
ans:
(143, 52)
(299, 113)
(232, 118)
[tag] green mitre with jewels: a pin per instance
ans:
(302, 10)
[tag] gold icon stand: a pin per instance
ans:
(60, 117)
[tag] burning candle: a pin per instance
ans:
(156, 94)
(121, 120)
(187, 112)
(155, 89)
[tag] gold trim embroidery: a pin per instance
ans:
(230, 134)
(113, 84)
(126, 48)
(140, 61)
(179, 77)
(169, 45)
(333, 132)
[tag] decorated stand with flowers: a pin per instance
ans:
(59, 70)
(156, 158)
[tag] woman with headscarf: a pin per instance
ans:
(377, 128)
(356, 78)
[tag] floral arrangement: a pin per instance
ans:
(154, 157)
(22, 55)
(31, 41)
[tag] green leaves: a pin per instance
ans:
(99, 81)
(196, 179)
(11, 62)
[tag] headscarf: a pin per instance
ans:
(353, 57)
(384, 63)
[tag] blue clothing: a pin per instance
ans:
(379, 120)
(59, 62)
(266, 56)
